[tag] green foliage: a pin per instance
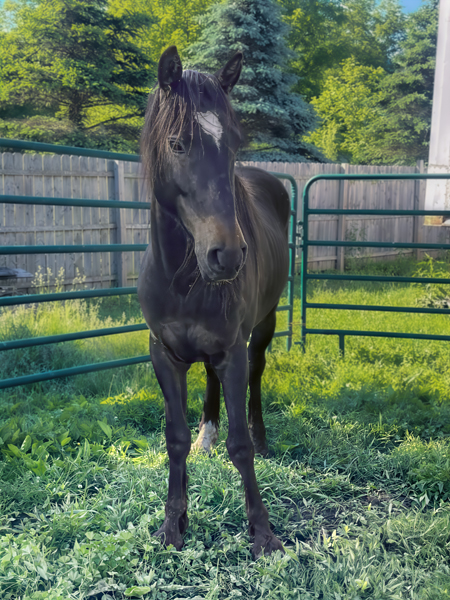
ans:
(347, 105)
(173, 22)
(76, 63)
(382, 115)
(114, 137)
(401, 133)
(433, 295)
(325, 33)
(274, 119)
(170, 22)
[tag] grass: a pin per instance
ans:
(357, 484)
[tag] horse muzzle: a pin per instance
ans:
(223, 263)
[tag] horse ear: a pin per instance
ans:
(228, 75)
(170, 69)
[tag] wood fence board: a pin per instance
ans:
(77, 258)
(67, 216)
(95, 217)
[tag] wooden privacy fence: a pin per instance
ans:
(93, 178)
(383, 195)
(72, 177)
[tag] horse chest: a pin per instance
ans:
(194, 331)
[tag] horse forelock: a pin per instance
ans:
(168, 116)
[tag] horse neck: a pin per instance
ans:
(169, 240)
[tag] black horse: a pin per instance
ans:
(211, 277)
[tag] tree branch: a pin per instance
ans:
(109, 121)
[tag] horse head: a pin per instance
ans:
(189, 145)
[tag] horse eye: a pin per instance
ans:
(176, 146)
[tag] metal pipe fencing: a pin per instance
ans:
(306, 243)
(97, 293)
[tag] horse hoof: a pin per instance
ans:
(262, 449)
(169, 536)
(266, 544)
(258, 436)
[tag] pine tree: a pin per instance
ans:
(274, 119)
(72, 62)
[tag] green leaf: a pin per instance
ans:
(137, 591)
(40, 468)
(65, 441)
(105, 428)
(86, 450)
(63, 437)
(15, 450)
(291, 554)
(142, 444)
(26, 444)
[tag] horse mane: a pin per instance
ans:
(168, 115)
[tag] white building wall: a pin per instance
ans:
(438, 191)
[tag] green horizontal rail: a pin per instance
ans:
(70, 337)
(380, 279)
(59, 296)
(46, 376)
(56, 149)
(392, 334)
(70, 249)
(404, 309)
(368, 176)
(379, 245)
(280, 333)
(11, 199)
(390, 212)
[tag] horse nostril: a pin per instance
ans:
(226, 261)
(244, 249)
(214, 259)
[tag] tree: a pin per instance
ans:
(323, 33)
(401, 134)
(72, 60)
(350, 101)
(274, 119)
(171, 22)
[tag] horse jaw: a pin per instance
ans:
(207, 437)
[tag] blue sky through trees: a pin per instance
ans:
(411, 5)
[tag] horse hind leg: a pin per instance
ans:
(209, 424)
(261, 337)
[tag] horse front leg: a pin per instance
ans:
(171, 375)
(209, 424)
(232, 371)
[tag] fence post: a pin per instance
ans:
(419, 204)
(342, 203)
(119, 194)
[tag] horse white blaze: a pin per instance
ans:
(211, 125)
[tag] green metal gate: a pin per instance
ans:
(34, 298)
(305, 276)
